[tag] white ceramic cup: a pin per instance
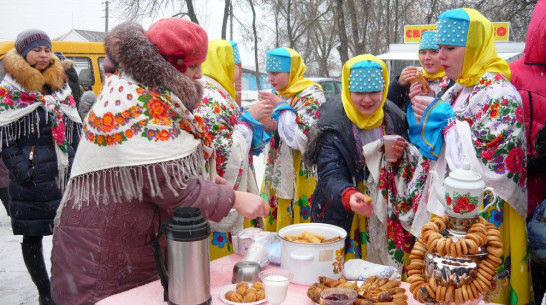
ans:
(388, 142)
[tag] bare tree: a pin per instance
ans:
(255, 32)
(225, 20)
(343, 47)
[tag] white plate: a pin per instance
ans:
(358, 283)
(233, 287)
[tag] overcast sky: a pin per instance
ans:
(58, 17)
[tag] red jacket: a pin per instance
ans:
(529, 77)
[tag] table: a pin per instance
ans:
(221, 271)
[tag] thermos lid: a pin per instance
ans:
(187, 224)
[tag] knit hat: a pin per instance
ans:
(88, 98)
(182, 42)
(30, 39)
(428, 41)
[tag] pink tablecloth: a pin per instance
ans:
(221, 271)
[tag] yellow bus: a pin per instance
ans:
(87, 57)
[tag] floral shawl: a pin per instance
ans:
(220, 115)
(489, 124)
(18, 104)
(130, 128)
(394, 208)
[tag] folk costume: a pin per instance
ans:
(39, 130)
(143, 154)
(479, 121)
(231, 133)
(344, 167)
(287, 184)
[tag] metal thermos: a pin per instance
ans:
(186, 279)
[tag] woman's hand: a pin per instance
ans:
(398, 148)
(270, 125)
(250, 206)
(269, 96)
(261, 110)
(361, 204)
(407, 75)
(419, 104)
(417, 89)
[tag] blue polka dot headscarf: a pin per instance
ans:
(453, 28)
(236, 56)
(277, 60)
(428, 41)
(366, 76)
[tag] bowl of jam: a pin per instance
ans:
(338, 296)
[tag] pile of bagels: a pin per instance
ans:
(481, 235)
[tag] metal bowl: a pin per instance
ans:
(246, 271)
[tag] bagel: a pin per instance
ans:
(449, 241)
(413, 272)
(465, 293)
(495, 243)
(475, 292)
(487, 269)
(416, 278)
(458, 248)
(430, 290)
(471, 245)
(475, 238)
(494, 250)
(421, 80)
(449, 294)
(441, 246)
(488, 263)
(416, 286)
(440, 223)
(464, 248)
(438, 293)
(453, 250)
(431, 247)
(442, 294)
(458, 296)
(486, 278)
(488, 275)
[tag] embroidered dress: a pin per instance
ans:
(485, 129)
(220, 116)
(287, 184)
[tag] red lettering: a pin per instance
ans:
(416, 34)
(408, 33)
(501, 31)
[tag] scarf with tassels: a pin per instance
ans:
(20, 105)
(130, 131)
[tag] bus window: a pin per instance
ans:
(85, 71)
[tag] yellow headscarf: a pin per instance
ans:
(296, 82)
(428, 42)
(363, 121)
(480, 53)
(220, 64)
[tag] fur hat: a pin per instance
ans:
(181, 42)
(30, 39)
(88, 98)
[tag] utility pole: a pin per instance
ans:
(106, 17)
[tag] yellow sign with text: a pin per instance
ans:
(412, 33)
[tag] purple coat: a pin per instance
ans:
(101, 250)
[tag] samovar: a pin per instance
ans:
(455, 260)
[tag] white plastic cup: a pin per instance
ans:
(388, 143)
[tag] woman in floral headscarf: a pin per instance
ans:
(236, 136)
(39, 129)
(287, 184)
(478, 121)
(348, 139)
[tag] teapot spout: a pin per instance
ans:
(438, 188)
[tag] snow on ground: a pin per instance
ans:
(16, 287)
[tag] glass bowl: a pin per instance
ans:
(338, 296)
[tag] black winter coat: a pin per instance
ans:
(336, 154)
(34, 187)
